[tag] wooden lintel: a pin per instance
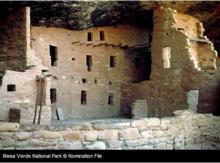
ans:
(88, 44)
(199, 40)
(75, 42)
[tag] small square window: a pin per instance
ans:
(111, 99)
(83, 98)
(53, 55)
(102, 36)
(89, 36)
(53, 95)
(11, 88)
(112, 61)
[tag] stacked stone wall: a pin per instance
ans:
(186, 130)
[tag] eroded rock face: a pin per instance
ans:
(80, 15)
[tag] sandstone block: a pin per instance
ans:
(21, 144)
(33, 127)
(90, 136)
(6, 135)
(155, 141)
(46, 135)
(147, 134)
(114, 144)
(96, 146)
(146, 147)
(108, 135)
(23, 135)
(7, 143)
(36, 143)
(130, 133)
(6, 126)
(158, 133)
(73, 136)
(113, 125)
(165, 121)
(85, 126)
(152, 122)
(140, 109)
(184, 113)
(138, 123)
(70, 145)
(136, 143)
(160, 146)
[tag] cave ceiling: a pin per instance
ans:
(78, 15)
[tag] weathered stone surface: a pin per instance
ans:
(152, 122)
(147, 134)
(138, 123)
(183, 134)
(114, 144)
(33, 127)
(136, 143)
(6, 126)
(36, 143)
(23, 135)
(118, 125)
(130, 133)
(146, 147)
(90, 136)
(140, 109)
(96, 146)
(70, 145)
(73, 136)
(21, 144)
(185, 113)
(86, 126)
(192, 99)
(165, 121)
(6, 135)
(155, 141)
(108, 135)
(7, 143)
(158, 133)
(46, 135)
(161, 146)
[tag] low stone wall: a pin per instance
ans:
(186, 130)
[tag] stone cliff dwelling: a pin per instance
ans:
(125, 70)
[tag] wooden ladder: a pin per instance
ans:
(41, 89)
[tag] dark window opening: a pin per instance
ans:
(95, 81)
(112, 61)
(53, 95)
(89, 62)
(89, 36)
(140, 63)
(11, 88)
(137, 62)
(84, 80)
(83, 97)
(102, 36)
(73, 59)
(53, 55)
(110, 83)
(14, 115)
(110, 99)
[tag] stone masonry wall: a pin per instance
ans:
(71, 69)
(13, 42)
(186, 130)
(182, 60)
(18, 56)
